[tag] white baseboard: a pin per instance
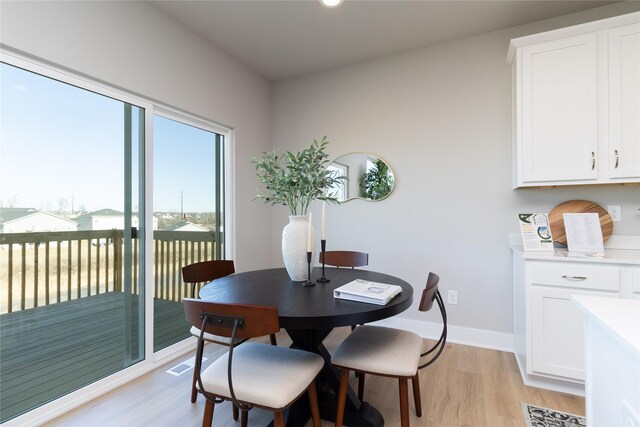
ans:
(455, 334)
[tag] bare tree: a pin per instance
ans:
(11, 201)
(63, 204)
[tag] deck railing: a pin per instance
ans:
(172, 251)
(43, 268)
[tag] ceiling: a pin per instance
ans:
(285, 39)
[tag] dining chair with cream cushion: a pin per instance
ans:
(389, 352)
(203, 272)
(252, 374)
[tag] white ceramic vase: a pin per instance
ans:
(294, 247)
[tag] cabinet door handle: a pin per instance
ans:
(617, 159)
(574, 277)
(593, 160)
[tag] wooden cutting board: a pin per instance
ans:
(577, 206)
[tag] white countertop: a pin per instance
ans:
(619, 316)
(611, 256)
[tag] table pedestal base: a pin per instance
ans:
(366, 416)
(357, 413)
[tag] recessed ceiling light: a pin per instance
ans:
(331, 3)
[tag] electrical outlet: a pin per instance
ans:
(452, 297)
(615, 211)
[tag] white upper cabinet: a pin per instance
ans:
(560, 110)
(577, 104)
(624, 102)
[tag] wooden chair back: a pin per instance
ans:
(257, 320)
(344, 258)
(429, 292)
(206, 271)
(429, 295)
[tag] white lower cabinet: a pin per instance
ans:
(557, 337)
(548, 327)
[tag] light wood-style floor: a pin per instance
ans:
(467, 386)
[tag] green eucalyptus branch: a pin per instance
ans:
(296, 179)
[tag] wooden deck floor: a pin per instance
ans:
(49, 351)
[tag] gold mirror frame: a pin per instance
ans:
(364, 179)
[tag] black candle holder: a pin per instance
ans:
(308, 283)
(323, 247)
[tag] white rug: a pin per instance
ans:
(536, 416)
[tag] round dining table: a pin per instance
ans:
(309, 314)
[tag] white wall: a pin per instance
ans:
(136, 47)
(441, 118)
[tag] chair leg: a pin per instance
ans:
(234, 411)
(207, 419)
(342, 396)
(416, 395)
(194, 390)
(244, 418)
(357, 374)
(361, 385)
(272, 338)
(313, 403)
(278, 419)
(404, 402)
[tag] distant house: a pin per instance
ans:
(29, 220)
(107, 219)
(185, 226)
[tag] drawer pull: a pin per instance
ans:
(574, 277)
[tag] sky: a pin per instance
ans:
(60, 144)
(183, 162)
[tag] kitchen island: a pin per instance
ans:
(612, 360)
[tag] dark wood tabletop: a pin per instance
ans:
(312, 307)
(309, 314)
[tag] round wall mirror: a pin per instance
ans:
(368, 177)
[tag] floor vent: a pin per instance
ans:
(183, 367)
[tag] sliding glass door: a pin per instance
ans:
(75, 303)
(71, 238)
(188, 201)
